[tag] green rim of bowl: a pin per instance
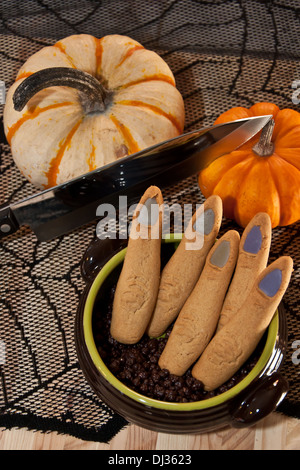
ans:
(105, 372)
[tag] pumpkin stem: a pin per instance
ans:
(265, 147)
(94, 97)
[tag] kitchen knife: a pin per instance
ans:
(65, 207)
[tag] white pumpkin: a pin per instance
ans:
(62, 132)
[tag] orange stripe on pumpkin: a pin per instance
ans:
(62, 49)
(129, 53)
(91, 159)
(23, 75)
(159, 77)
(53, 171)
(99, 53)
(131, 143)
(155, 109)
(31, 114)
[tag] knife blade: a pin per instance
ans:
(65, 207)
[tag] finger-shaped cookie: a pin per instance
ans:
(137, 287)
(198, 317)
(253, 258)
(181, 273)
(235, 342)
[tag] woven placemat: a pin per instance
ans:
(222, 54)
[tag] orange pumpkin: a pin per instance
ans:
(263, 175)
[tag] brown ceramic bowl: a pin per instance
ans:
(242, 405)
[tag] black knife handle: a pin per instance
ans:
(8, 222)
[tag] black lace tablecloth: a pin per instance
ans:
(223, 54)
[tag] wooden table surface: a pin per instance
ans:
(276, 432)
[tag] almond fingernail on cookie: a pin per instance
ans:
(236, 341)
(137, 287)
(198, 318)
(253, 258)
(182, 271)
